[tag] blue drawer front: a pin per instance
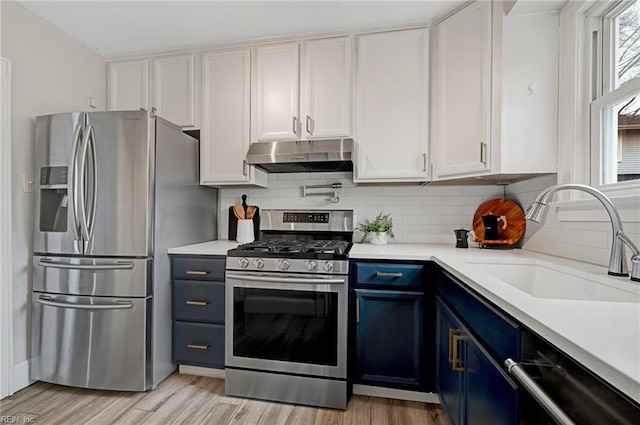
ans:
(198, 268)
(198, 344)
(382, 274)
(198, 301)
(495, 330)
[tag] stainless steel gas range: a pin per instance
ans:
(286, 309)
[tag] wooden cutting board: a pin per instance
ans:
(516, 223)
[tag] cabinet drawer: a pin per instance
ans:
(383, 274)
(494, 329)
(198, 344)
(198, 301)
(198, 268)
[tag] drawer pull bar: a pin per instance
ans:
(197, 272)
(385, 274)
(456, 367)
(538, 393)
(198, 303)
(357, 310)
(198, 346)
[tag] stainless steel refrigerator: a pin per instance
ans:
(114, 191)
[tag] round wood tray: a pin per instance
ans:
(516, 222)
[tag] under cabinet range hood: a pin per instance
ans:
(302, 156)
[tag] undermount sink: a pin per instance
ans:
(544, 281)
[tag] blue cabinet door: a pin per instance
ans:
(389, 339)
(491, 396)
(449, 382)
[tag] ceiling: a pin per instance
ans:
(114, 28)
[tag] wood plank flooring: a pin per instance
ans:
(188, 399)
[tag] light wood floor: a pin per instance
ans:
(187, 399)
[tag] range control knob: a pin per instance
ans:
(284, 264)
(258, 263)
(243, 263)
(328, 266)
(311, 265)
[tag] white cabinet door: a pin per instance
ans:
(225, 119)
(461, 106)
(173, 89)
(128, 85)
(326, 88)
(392, 107)
(276, 111)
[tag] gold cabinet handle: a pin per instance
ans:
(198, 346)
(456, 364)
(198, 303)
(452, 332)
(244, 167)
(197, 272)
(385, 274)
(357, 310)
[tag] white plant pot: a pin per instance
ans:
(379, 238)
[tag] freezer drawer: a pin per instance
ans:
(92, 342)
(92, 276)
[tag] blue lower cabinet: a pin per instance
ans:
(473, 388)
(390, 339)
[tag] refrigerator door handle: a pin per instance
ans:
(84, 226)
(73, 176)
(55, 265)
(93, 182)
(119, 305)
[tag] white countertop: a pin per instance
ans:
(219, 247)
(603, 336)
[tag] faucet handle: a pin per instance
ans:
(635, 268)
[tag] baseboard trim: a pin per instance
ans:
(21, 376)
(395, 393)
(201, 371)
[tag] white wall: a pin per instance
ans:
(51, 73)
(426, 214)
(576, 237)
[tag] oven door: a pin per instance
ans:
(291, 323)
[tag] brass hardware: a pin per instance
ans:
(456, 367)
(424, 162)
(198, 303)
(385, 274)
(452, 332)
(244, 167)
(357, 310)
(197, 272)
(198, 346)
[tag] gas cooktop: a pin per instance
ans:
(280, 248)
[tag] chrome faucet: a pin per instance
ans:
(617, 261)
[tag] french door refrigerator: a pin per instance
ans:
(114, 191)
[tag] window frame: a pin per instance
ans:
(603, 94)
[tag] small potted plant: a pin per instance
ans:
(380, 229)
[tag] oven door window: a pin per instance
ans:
(285, 325)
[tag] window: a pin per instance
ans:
(615, 108)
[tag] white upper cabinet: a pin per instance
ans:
(326, 88)
(166, 87)
(174, 90)
(128, 85)
(392, 107)
(461, 112)
(226, 112)
(302, 90)
(495, 94)
(276, 87)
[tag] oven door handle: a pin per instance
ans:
(284, 279)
